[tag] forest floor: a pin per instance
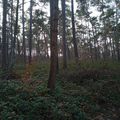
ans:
(88, 91)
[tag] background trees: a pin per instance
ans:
(86, 30)
(69, 47)
(4, 37)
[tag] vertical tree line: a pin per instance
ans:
(13, 42)
(4, 37)
(64, 34)
(73, 31)
(30, 33)
(23, 31)
(53, 43)
(68, 33)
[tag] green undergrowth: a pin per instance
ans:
(19, 103)
(100, 64)
(88, 70)
(100, 82)
(75, 97)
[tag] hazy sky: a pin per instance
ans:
(47, 8)
(27, 4)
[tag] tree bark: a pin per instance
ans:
(64, 34)
(53, 43)
(4, 37)
(23, 32)
(73, 32)
(13, 46)
(30, 34)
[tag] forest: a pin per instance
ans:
(59, 59)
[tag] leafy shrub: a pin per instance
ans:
(94, 71)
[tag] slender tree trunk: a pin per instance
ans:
(114, 50)
(94, 44)
(111, 48)
(116, 35)
(90, 44)
(74, 33)
(18, 48)
(4, 37)
(53, 42)
(64, 34)
(13, 46)
(46, 45)
(30, 34)
(7, 44)
(23, 31)
(68, 51)
(11, 30)
(0, 49)
(104, 35)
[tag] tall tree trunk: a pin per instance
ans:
(74, 33)
(46, 45)
(53, 42)
(64, 34)
(30, 33)
(13, 46)
(4, 37)
(11, 27)
(90, 42)
(116, 34)
(94, 42)
(68, 51)
(18, 48)
(23, 32)
(104, 35)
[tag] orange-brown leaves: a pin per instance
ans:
(27, 76)
(30, 84)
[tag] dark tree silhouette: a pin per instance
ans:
(53, 42)
(4, 37)
(73, 32)
(30, 33)
(64, 34)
